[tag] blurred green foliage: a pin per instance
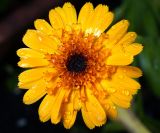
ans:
(12, 80)
(152, 124)
(150, 63)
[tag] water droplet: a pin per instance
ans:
(42, 28)
(27, 98)
(99, 118)
(40, 38)
(41, 49)
(113, 27)
(111, 90)
(68, 113)
(115, 41)
(121, 76)
(79, 103)
(107, 106)
(124, 71)
(66, 99)
(113, 107)
(126, 92)
(132, 35)
(66, 120)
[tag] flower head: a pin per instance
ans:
(77, 66)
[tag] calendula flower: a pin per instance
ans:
(76, 66)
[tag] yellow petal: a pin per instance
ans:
(62, 14)
(123, 94)
(128, 39)
(125, 82)
(108, 18)
(56, 20)
(124, 42)
(69, 113)
(98, 20)
(120, 82)
(42, 25)
(95, 111)
(111, 109)
(121, 100)
(33, 74)
(85, 12)
(53, 84)
(68, 123)
(77, 100)
(100, 10)
(115, 33)
(134, 48)
(119, 59)
(86, 118)
(55, 114)
(29, 53)
(32, 62)
(40, 42)
(46, 107)
(35, 93)
(131, 71)
(70, 13)
(27, 85)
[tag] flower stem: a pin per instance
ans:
(131, 122)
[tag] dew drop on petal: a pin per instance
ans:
(53, 60)
(67, 115)
(126, 92)
(111, 90)
(115, 41)
(113, 27)
(40, 38)
(121, 76)
(114, 107)
(79, 103)
(99, 118)
(132, 35)
(107, 106)
(27, 98)
(66, 120)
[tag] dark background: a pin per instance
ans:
(17, 16)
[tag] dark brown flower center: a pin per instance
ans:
(76, 63)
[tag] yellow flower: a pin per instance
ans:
(78, 66)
